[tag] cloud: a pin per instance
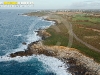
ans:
(88, 4)
(92, 1)
(79, 4)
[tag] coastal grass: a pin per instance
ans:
(91, 22)
(41, 13)
(86, 21)
(86, 33)
(85, 50)
(56, 38)
(81, 17)
(61, 38)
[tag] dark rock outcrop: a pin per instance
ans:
(33, 48)
(24, 43)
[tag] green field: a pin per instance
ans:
(63, 38)
(87, 21)
(89, 24)
(86, 18)
(59, 37)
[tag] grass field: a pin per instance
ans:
(87, 21)
(36, 13)
(84, 17)
(87, 28)
(62, 37)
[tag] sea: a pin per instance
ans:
(16, 29)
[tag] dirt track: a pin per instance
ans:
(72, 34)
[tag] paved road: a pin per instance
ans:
(73, 35)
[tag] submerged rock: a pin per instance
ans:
(24, 43)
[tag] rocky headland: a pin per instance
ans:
(78, 63)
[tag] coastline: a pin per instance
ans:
(70, 56)
(78, 63)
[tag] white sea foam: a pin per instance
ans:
(32, 37)
(20, 48)
(54, 65)
(24, 15)
(18, 35)
(18, 58)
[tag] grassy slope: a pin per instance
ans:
(84, 17)
(93, 22)
(60, 37)
(63, 38)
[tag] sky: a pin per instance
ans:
(60, 4)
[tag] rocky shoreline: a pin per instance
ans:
(78, 63)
